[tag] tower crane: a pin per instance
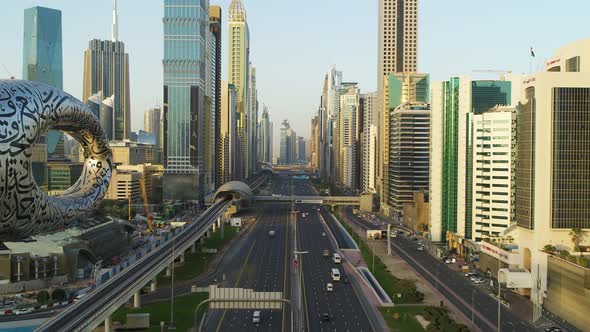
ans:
(146, 205)
(492, 71)
(8, 72)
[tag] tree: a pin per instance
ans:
(577, 235)
(550, 249)
(42, 297)
(58, 295)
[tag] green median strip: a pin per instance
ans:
(400, 290)
(184, 308)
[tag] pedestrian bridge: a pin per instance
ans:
(325, 200)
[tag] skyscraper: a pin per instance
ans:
(409, 152)
(454, 103)
(151, 124)
(215, 28)
(184, 91)
(398, 89)
(314, 143)
(42, 62)
(106, 69)
(228, 139)
(252, 120)
(348, 137)
(287, 148)
(397, 53)
(238, 75)
(368, 142)
(265, 137)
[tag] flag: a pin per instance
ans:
(532, 53)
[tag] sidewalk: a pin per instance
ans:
(399, 269)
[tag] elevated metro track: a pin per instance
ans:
(102, 302)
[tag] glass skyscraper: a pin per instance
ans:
(185, 28)
(42, 62)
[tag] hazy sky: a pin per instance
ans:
(295, 42)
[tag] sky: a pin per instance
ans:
(294, 43)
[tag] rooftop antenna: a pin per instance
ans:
(115, 28)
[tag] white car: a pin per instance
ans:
(329, 287)
(324, 234)
(23, 311)
(420, 248)
(479, 281)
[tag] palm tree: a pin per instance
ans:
(577, 235)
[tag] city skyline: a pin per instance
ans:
(146, 70)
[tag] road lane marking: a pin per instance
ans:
(237, 281)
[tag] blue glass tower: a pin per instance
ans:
(185, 27)
(42, 62)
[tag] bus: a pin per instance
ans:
(335, 275)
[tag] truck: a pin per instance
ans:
(271, 233)
(235, 222)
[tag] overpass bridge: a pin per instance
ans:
(101, 303)
(325, 200)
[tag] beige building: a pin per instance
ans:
(229, 139)
(125, 185)
(348, 138)
(553, 179)
(416, 212)
(147, 171)
(129, 153)
(238, 74)
(397, 53)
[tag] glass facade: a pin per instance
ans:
(525, 166)
(450, 154)
(106, 69)
(185, 27)
(570, 197)
(42, 62)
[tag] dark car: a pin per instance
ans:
(325, 317)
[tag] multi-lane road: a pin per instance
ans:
(266, 264)
(467, 297)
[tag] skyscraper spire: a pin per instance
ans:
(237, 11)
(115, 28)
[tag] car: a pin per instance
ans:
(325, 317)
(414, 239)
(256, 317)
(470, 274)
(324, 234)
(23, 311)
(329, 287)
(479, 281)
(447, 261)
(326, 253)
(420, 248)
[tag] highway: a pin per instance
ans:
(470, 299)
(342, 304)
(262, 265)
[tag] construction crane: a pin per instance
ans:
(146, 206)
(492, 71)
(8, 72)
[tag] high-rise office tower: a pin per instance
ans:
(552, 180)
(238, 75)
(106, 69)
(265, 137)
(252, 121)
(348, 136)
(215, 28)
(398, 89)
(287, 148)
(409, 151)
(493, 155)
(454, 103)
(397, 53)
(212, 83)
(368, 142)
(314, 143)
(229, 140)
(151, 124)
(42, 62)
(184, 92)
